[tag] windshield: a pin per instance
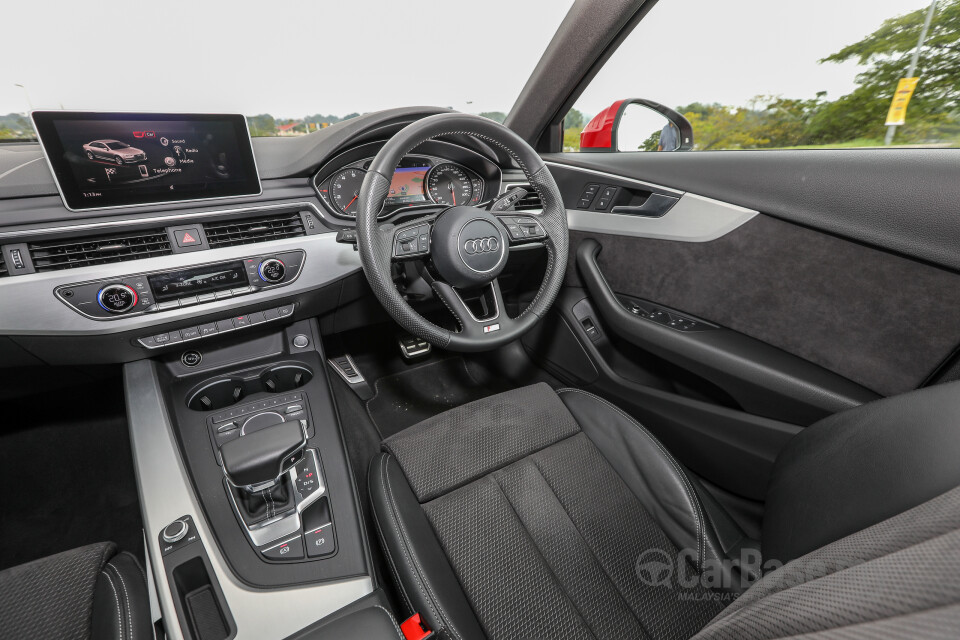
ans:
(290, 67)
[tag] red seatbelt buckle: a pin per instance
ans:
(414, 628)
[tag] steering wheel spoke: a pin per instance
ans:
(468, 247)
(492, 320)
(411, 240)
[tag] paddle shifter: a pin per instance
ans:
(256, 466)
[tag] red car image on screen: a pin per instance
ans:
(113, 151)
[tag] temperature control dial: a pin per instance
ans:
(117, 298)
(271, 270)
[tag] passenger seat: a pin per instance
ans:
(92, 592)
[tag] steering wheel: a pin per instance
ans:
(467, 246)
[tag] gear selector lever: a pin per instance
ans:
(259, 460)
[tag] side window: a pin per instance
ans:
(733, 75)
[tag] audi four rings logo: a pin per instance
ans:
(481, 245)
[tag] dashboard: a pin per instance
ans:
(124, 280)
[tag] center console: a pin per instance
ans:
(254, 525)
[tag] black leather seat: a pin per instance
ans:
(91, 592)
(535, 514)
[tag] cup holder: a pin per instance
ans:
(285, 377)
(223, 392)
(216, 395)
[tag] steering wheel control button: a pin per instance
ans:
(271, 270)
(523, 228)
(191, 358)
(117, 298)
(291, 549)
(412, 241)
(177, 534)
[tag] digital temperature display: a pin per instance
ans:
(191, 282)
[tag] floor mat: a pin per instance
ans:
(404, 399)
(67, 473)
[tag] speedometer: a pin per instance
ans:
(449, 184)
(345, 188)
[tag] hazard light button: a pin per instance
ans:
(188, 237)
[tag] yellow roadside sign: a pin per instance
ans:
(901, 98)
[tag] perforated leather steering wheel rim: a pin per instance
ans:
(376, 245)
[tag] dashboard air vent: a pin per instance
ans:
(259, 229)
(3, 267)
(52, 255)
(529, 201)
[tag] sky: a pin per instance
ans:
(729, 51)
(292, 59)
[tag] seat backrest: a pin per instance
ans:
(860, 467)
(899, 578)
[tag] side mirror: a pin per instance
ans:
(637, 124)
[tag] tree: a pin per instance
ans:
(718, 127)
(885, 53)
(262, 125)
(573, 124)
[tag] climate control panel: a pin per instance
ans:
(164, 290)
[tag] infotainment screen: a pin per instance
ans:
(104, 160)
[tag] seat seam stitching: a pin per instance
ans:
(396, 627)
(546, 564)
(589, 548)
(418, 569)
(394, 519)
(391, 563)
(116, 599)
(499, 468)
(126, 597)
(136, 563)
(687, 489)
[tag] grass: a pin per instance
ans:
(863, 143)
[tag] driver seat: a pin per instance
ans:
(542, 514)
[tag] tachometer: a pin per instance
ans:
(449, 184)
(344, 190)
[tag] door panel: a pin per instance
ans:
(760, 378)
(831, 282)
(880, 320)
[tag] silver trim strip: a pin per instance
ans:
(166, 495)
(614, 176)
(167, 219)
(56, 181)
(692, 219)
(47, 315)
